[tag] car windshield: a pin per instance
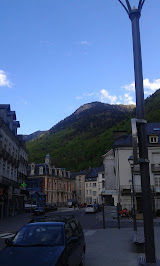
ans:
(90, 206)
(39, 209)
(40, 235)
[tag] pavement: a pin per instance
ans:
(104, 247)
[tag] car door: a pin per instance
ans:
(73, 248)
(81, 236)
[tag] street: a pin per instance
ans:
(101, 243)
(9, 226)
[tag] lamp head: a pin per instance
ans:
(132, 5)
(130, 160)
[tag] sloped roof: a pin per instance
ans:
(151, 128)
(93, 173)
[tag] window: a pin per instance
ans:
(41, 170)
(68, 231)
(79, 227)
(153, 139)
(157, 181)
(49, 196)
(94, 193)
(86, 184)
(49, 184)
(74, 228)
(87, 192)
(90, 184)
(90, 192)
(94, 184)
(79, 178)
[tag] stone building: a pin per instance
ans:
(13, 162)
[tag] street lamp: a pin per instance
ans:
(130, 160)
(134, 15)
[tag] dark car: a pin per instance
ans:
(55, 241)
(39, 211)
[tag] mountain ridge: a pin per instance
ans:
(80, 140)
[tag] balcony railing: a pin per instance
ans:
(155, 167)
(137, 189)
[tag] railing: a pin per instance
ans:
(137, 189)
(155, 167)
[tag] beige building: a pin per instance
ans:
(79, 186)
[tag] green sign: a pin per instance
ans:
(23, 184)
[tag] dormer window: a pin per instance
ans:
(41, 170)
(153, 139)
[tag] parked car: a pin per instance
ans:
(30, 207)
(46, 241)
(90, 208)
(39, 211)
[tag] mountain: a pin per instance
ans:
(80, 140)
(34, 135)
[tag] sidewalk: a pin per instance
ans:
(114, 247)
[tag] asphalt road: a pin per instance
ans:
(9, 226)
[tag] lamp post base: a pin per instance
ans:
(142, 262)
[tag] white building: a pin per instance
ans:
(118, 175)
(13, 162)
(94, 185)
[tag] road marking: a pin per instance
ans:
(90, 233)
(6, 235)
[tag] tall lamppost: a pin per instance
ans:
(130, 160)
(134, 15)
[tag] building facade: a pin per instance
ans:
(94, 185)
(55, 183)
(118, 171)
(13, 162)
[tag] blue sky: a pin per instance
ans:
(56, 55)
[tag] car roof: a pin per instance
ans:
(53, 219)
(44, 223)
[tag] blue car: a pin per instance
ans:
(46, 243)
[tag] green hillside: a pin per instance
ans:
(80, 140)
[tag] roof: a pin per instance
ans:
(93, 172)
(151, 128)
(32, 223)
(79, 173)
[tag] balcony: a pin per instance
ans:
(126, 190)
(155, 167)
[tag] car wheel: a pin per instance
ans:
(82, 259)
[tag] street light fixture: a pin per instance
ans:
(130, 160)
(134, 15)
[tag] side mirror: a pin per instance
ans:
(8, 241)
